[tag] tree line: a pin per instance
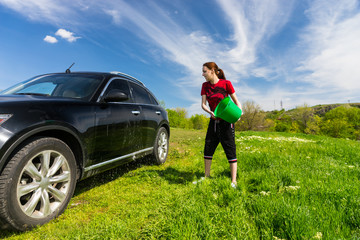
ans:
(340, 121)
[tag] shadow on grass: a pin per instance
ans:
(174, 176)
(226, 173)
(110, 175)
(170, 174)
(8, 233)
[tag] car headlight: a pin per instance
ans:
(4, 117)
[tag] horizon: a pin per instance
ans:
(277, 53)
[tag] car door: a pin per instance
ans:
(150, 115)
(116, 125)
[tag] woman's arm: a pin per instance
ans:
(205, 107)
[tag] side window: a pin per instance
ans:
(121, 85)
(153, 100)
(140, 94)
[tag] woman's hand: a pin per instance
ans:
(205, 107)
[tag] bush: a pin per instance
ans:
(199, 121)
(342, 122)
(253, 117)
(178, 118)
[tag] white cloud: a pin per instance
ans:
(333, 45)
(114, 14)
(50, 39)
(252, 23)
(189, 49)
(55, 12)
(68, 36)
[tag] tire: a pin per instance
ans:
(161, 146)
(37, 183)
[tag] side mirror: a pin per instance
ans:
(115, 96)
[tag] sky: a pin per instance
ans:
(277, 53)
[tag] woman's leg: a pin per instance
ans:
(228, 143)
(211, 143)
(233, 170)
(207, 167)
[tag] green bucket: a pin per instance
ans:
(228, 110)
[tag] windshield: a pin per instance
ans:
(81, 86)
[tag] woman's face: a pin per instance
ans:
(207, 73)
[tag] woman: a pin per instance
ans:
(213, 91)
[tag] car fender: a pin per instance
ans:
(164, 124)
(15, 140)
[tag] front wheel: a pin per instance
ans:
(37, 183)
(161, 146)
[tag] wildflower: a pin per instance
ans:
(215, 195)
(278, 139)
(289, 188)
(276, 238)
(265, 193)
(292, 188)
(318, 235)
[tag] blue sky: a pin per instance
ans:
(294, 52)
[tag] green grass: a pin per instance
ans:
(290, 186)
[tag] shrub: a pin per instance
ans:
(342, 122)
(252, 118)
(199, 121)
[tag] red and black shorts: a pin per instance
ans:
(220, 131)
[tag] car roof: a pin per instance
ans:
(106, 75)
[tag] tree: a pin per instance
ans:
(305, 120)
(303, 115)
(162, 103)
(252, 118)
(284, 124)
(313, 127)
(178, 118)
(199, 121)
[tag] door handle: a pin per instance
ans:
(135, 112)
(158, 112)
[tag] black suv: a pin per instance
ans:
(56, 129)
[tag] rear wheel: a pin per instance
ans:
(161, 146)
(37, 183)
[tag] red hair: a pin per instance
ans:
(212, 66)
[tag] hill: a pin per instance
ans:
(321, 110)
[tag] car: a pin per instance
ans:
(59, 128)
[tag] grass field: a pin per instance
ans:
(289, 187)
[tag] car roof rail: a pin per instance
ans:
(128, 76)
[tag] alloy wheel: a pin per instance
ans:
(43, 184)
